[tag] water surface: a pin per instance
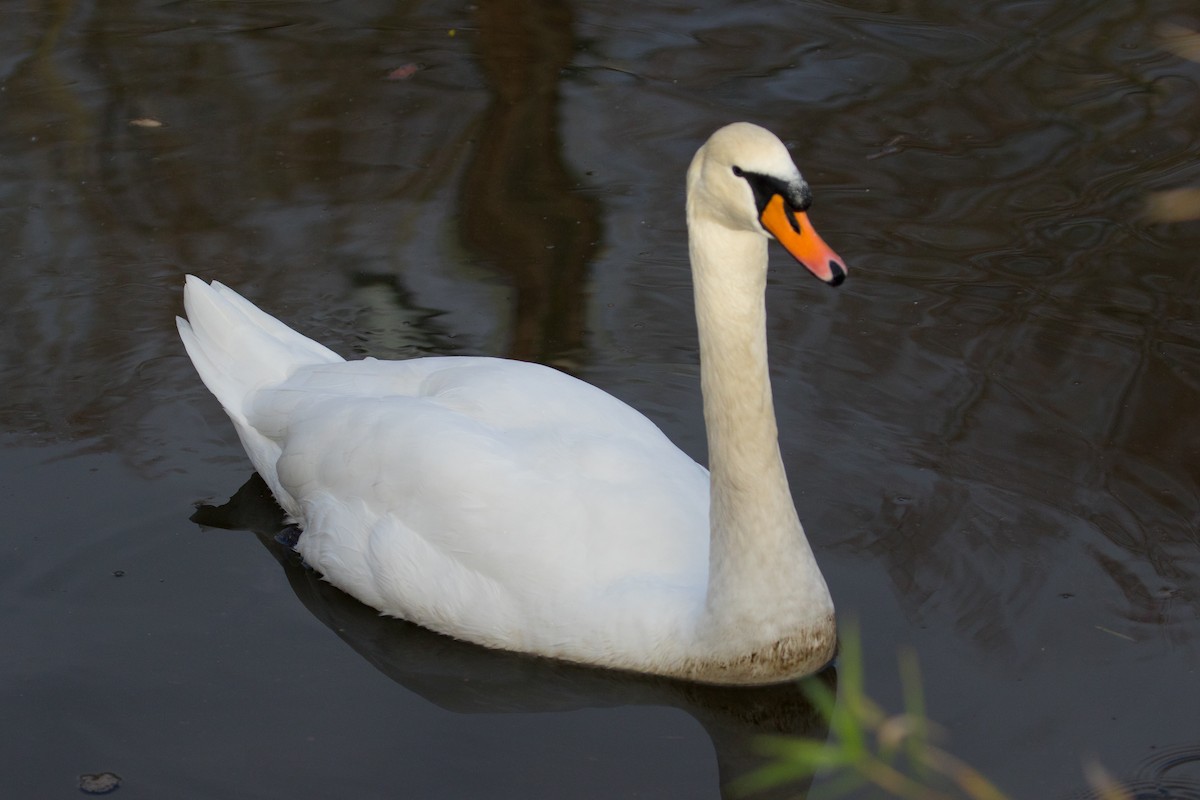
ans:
(991, 428)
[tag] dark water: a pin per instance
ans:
(993, 428)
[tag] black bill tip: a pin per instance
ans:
(839, 274)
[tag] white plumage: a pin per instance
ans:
(511, 505)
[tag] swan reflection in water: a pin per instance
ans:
(468, 679)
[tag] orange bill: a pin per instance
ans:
(796, 234)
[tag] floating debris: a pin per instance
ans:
(1183, 42)
(1173, 205)
(99, 783)
(403, 73)
(146, 122)
(1115, 633)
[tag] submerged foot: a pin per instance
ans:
(288, 536)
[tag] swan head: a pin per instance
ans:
(744, 179)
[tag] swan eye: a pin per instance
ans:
(738, 171)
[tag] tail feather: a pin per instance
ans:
(237, 348)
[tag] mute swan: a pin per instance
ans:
(510, 505)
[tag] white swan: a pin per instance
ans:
(511, 505)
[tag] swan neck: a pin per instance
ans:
(763, 579)
(730, 273)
